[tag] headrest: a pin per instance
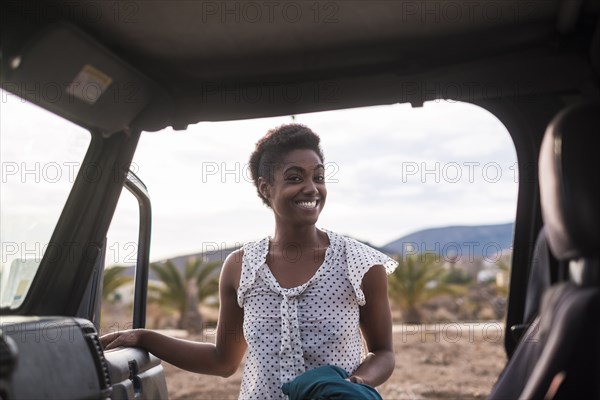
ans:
(569, 172)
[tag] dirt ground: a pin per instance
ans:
(441, 361)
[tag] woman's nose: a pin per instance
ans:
(310, 187)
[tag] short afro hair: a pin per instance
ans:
(277, 143)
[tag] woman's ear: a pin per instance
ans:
(264, 188)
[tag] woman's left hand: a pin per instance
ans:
(356, 379)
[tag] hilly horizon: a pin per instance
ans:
(442, 240)
(449, 238)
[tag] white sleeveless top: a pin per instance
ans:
(292, 330)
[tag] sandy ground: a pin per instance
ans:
(441, 361)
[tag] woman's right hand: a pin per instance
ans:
(221, 358)
(128, 338)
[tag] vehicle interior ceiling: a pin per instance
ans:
(179, 63)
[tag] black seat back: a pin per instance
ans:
(542, 274)
(559, 355)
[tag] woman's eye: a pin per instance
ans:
(319, 178)
(294, 178)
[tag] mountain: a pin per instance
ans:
(480, 239)
(218, 254)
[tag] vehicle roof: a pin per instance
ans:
(232, 60)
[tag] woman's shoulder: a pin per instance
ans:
(249, 249)
(240, 265)
(254, 251)
(235, 257)
(362, 254)
(359, 258)
(350, 242)
(232, 267)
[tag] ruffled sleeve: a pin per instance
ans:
(359, 259)
(254, 257)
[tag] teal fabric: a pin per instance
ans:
(327, 383)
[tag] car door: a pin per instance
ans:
(62, 354)
(133, 372)
(49, 323)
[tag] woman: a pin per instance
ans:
(299, 299)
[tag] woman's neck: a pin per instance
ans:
(308, 237)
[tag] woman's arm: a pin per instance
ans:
(376, 326)
(221, 358)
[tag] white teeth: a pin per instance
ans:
(307, 204)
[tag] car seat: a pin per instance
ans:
(543, 272)
(559, 354)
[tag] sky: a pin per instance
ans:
(390, 171)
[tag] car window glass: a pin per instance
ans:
(40, 154)
(119, 265)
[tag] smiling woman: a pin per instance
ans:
(293, 314)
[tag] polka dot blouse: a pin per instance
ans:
(292, 330)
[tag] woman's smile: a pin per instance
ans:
(308, 204)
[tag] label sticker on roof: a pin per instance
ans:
(89, 84)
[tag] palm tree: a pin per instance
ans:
(113, 279)
(415, 281)
(182, 293)
(503, 265)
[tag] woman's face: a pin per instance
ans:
(297, 193)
